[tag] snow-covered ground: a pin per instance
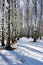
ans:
(27, 52)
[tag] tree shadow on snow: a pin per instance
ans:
(32, 49)
(6, 59)
(25, 60)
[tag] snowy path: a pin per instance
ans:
(26, 53)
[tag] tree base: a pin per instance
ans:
(32, 37)
(9, 48)
(12, 41)
(27, 36)
(40, 38)
(34, 40)
(17, 38)
(3, 45)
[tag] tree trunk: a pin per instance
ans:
(8, 47)
(3, 23)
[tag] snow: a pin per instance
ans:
(27, 52)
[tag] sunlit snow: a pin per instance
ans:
(27, 52)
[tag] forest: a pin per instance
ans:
(21, 31)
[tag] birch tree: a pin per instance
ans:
(27, 15)
(8, 47)
(35, 16)
(18, 17)
(3, 1)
